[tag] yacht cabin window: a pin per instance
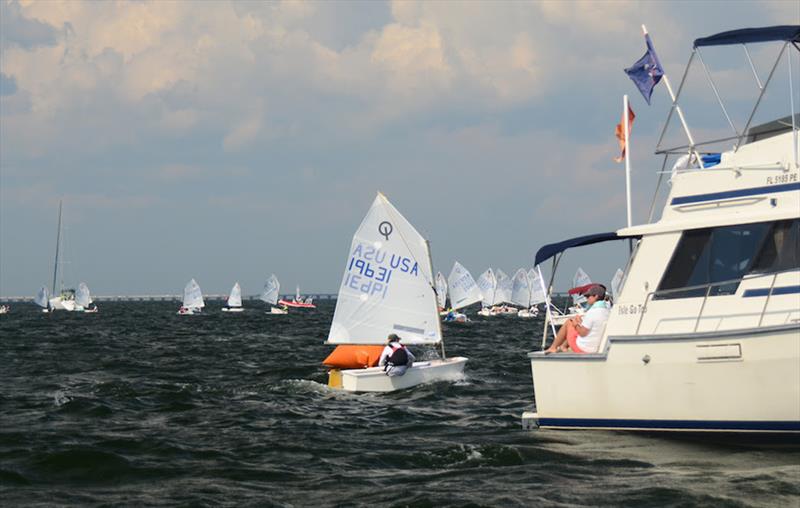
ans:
(781, 249)
(721, 256)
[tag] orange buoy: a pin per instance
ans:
(353, 357)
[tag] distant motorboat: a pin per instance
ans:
(298, 302)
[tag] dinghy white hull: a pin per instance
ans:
(275, 310)
(374, 379)
(232, 309)
(58, 303)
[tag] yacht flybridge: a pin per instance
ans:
(704, 334)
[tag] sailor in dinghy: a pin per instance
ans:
(387, 287)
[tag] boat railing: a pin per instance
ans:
(708, 287)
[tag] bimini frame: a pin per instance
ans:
(789, 35)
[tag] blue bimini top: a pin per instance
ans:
(550, 250)
(788, 33)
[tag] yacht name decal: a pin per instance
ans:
(784, 178)
(623, 310)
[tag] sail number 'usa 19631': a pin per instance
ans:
(369, 273)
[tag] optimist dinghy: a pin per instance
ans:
(192, 299)
(270, 295)
(387, 287)
(234, 300)
(464, 292)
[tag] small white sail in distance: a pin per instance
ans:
(538, 294)
(441, 290)
(521, 290)
(82, 295)
(42, 298)
(193, 296)
(464, 290)
(388, 285)
(504, 287)
(581, 278)
(235, 298)
(487, 283)
(271, 289)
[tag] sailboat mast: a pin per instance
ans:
(435, 304)
(58, 244)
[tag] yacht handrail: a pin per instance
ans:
(708, 287)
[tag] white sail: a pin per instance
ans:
(297, 297)
(42, 298)
(521, 289)
(504, 287)
(271, 289)
(537, 287)
(616, 283)
(463, 288)
(581, 278)
(387, 285)
(82, 296)
(192, 296)
(487, 283)
(235, 298)
(441, 290)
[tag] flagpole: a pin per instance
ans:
(678, 108)
(627, 128)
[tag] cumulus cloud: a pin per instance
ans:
(19, 30)
(8, 85)
(317, 102)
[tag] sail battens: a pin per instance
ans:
(411, 329)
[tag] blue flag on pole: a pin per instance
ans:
(647, 71)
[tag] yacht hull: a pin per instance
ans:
(374, 379)
(736, 381)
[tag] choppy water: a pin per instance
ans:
(138, 406)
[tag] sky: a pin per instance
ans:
(225, 141)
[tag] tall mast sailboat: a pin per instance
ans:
(387, 288)
(61, 298)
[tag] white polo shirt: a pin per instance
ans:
(594, 319)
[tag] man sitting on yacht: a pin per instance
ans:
(582, 334)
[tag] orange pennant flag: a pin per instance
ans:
(620, 133)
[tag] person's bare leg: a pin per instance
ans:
(561, 336)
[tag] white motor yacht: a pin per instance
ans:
(704, 334)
